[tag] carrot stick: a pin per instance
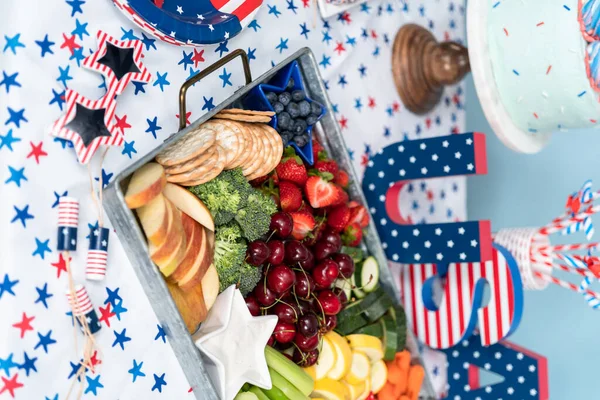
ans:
(395, 374)
(403, 363)
(416, 373)
(387, 392)
(402, 359)
(404, 397)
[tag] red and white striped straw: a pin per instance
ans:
(68, 212)
(564, 284)
(568, 247)
(562, 267)
(558, 224)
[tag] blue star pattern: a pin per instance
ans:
(16, 175)
(121, 339)
(7, 286)
(28, 364)
(41, 247)
(159, 382)
(153, 126)
(8, 140)
(93, 384)
(15, 117)
(148, 42)
(12, 43)
(136, 370)
(43, 295)
(45, 46)
(8, 363)
(9, 80)
(225, 78)
(44, 341)
(129, 149)
(22, 215)
(161, 80)
(161, 334)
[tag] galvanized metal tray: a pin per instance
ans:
(133, 240)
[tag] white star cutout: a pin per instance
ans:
(394, 233)
(521, 379)
(533, 392)
(520, 356)
(476, 354)
(381, 174)
(457, 397)
(510, 390)
(395, 257)
(373, 210)
(211, 27)
(509, 367)
(371, 187)
(172, 33)
(179, 10)
(498, 355)
(455, 353)
(531, 368)
(417, 257)
(434, 157)
(466, 366)
(467, 388)
(412, 159)
(226, 34)
(200, 17)
(457, 155)
(223, 16)
(405, 245)
(390, 184)
(446, 168)
(416, 232)
(488, 389)
(65, 231)
(439, 256)
(384, 245)
(400, 148)
(383, 221)
(462, 256)
(473, 243)
(73, 241)
(104, 243)
(382, 198)
(461, 231)
(190, 41)
(391, 161)
(427, 244)
(438, 231)
(402, 172)
(470, 167)
(370, 163)
(445, 143)
(487, 366)
(96, 233)
(424, 171)
(423, 146)
(450, 243)
(380, 151)
(469, 141)
(456, 376)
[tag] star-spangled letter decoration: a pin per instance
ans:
(119, 61)
(243, 359)
(88, 124)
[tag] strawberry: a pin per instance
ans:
(342, 179)
(290, 196)
(317, 149)
(359, 215)
(291, 168)
(327, 166)
(320, 193)
(352, 235)
(259, 181)
(304, 222)
(338, 217)
(341, 197)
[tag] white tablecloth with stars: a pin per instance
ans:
(42, 44)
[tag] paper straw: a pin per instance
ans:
(577, 271)
(558, 225)
(565, 284)
(593, 301)
(569, 247)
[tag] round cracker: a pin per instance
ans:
(247, 157)
(267, 157)
(196, 172)
(243, 117)
(212, 174)
(227, 137)
(193, 163)
(188, 147)
(276, 147)
(260, 151)
(247, 112)
(238, 128)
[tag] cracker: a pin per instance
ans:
(249, 152)
(256, 162)
(189, 146)
(212, 174)
(276, 151)
(227, 137)
(243, 117)
(196, 172)
(247, 112)
(191, 164)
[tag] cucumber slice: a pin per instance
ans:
(356, 253)
(288, 370)
(345, 285)
(371, 330)
(289, 390)
(390, 337)
(274, 393)
(378, 308)
(259, 393)
(367, 274)
(246, 396)
(400, 317)
(359, 294)
(349, 324)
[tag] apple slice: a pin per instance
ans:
(187, 202)
(190, 304)
(145, 184)
(203, 260)
(210, 286)
(195, 250)
(154, 218)
(168, 254)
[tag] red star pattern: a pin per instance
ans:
(122, 123)
(372, 103)
(197, 58)
(346, 17)
(364, 159)
(340, 48)
(187, 117)
(94, 359)
(306, 3)
(429, 195)
(69, 43)
(343, 122)
(446, 36)
(60, 265)
(428, 123)
(396, 106)
(373, 34)
(37, 151)
(105, 314)
(10, 385)
(24, 325)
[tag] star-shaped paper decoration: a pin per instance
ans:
(88, 124)
(120, 61)
(242, 359)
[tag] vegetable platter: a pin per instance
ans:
(259, 196)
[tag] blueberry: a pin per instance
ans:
(315, 108)
(304, 108)
(285, 98)
(301, 140)
(284, 120)
(300, 126)
(286, 136)
(293, 109)
(312, 119)
(290, 84)
(298, 95)
(278, 107)
(271, 96)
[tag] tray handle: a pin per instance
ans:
(204, 73)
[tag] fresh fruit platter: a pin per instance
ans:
(243, 198)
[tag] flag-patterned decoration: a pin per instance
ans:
(522, 374)
(97, 255)
(82, 306)
(41, 57)
(68, 218)
(445, 324)
(397, 164)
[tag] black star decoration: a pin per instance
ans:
(119, 60)
(88, 124)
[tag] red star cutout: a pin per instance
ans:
(24, 325)
(428, 123)
(190, 390)
(306, 3)
(373, 34)
(106, 314)
(455, 130)
(37, 151)
(429, 195)
(187, 117)
(60, 265)
(456, 99)
(69, 43)
(372, 102)
(396, 106)
(159, 3)
(346, 17)
(446, 36)
(339, 48)
(197, 58)
(94, 359)
(10, 385)
(364, 159)
(343, 122)
(122, 123)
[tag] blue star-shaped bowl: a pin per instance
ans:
(256, 100)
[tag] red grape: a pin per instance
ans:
(277, 252)
(280, 279)
(305, 359)
(308, 325)
(304, 286)
(253, 305)
(282, 224)
(295, 251)
(304, 343)
(257, 253)
(330, 302)
(285, 313)
(263, 294)
(324, 250)
(325, 273)
(345, 263)
(284, 332)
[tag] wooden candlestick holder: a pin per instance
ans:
(422, 67)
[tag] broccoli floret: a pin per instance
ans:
(255, 217)
(249, 278)
(224, 195)
(230, 252)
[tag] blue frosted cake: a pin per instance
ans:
(546, 62)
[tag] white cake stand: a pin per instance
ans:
(485, 85)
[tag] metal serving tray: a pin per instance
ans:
(130, 233)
